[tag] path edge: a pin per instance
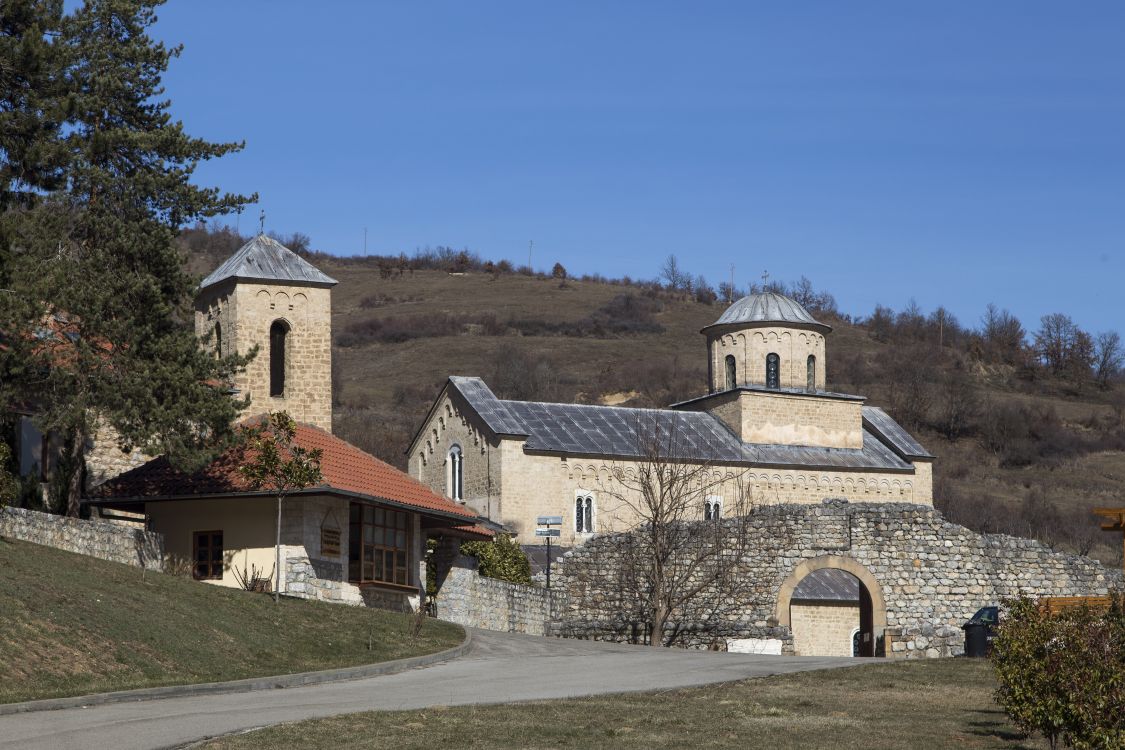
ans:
(272, 682)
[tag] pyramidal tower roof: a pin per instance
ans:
(265, 259)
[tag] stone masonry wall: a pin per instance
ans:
(932, 576)
(101, 539)
(750, 347)
(322, 580)
(470, 599)
(823, 628)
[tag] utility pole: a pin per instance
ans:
(730, 292)
(365, 242)
(530, 244)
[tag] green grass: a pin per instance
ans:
(71, 625)
(932, 704)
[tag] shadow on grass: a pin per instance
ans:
(994, 723)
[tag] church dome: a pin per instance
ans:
(769, 308)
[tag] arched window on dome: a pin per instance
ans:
(732, 372)
(279, 331)
(456, 474)
(811, 385)
(773, 370)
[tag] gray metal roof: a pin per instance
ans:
(764, 389)
(626, 432)
(768, 307)
(891, 431)
(265, 259)
(828, 584)
(489, 408)
(619, 431)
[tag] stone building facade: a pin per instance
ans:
(921, 578)
(267, 296)
(767, 431)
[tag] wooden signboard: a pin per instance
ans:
(329, 541)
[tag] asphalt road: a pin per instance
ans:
(499, 668)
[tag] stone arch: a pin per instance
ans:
(839, 562)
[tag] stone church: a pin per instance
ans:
(768, 427)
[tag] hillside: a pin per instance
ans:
(1019, 449)
(72, 625)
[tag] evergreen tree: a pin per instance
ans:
(97, 319)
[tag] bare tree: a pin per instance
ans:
(1108, 357)
(680, 562)
(675, 277)
(1003, 335)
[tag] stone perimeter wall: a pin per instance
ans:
(932, 575)
(470, 599)
(101, 539)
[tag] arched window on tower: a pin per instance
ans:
(218, 340)
(811, 385)
(456, 474)
(732, 372)
(279, 331)
(773, 371)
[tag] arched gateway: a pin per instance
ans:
(872, 608)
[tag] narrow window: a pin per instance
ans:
(379, 545)
(456, 473)
(812, 373)
(208, 555)
(218, 341)
(278, 333)
(584, 513)
(773, 371)
(732, 372)
(713, 508)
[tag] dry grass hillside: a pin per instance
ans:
(1019, 450)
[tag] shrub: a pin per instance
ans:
(501, 558)
(1063, 675)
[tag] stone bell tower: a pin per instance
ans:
(265, 295)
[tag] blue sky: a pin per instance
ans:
(958, 153)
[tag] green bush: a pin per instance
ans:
(501, 558)
(1063, 675)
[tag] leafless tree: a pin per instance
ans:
(957, 405)
(675, 277)
(679, 568)
(1108, 357)
(1003, 335)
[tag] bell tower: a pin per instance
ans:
(265, 295)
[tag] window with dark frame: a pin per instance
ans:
(218, 341)
(379, 545)
(732, 372)
(208, 555)
(811, 373)
(278, 333)
(773, 371)
(713, 509)
(584, 514)
(456, 473)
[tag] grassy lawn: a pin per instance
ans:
(71, 625)
(932, 704)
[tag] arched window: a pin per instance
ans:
(218, 340)
(773, 371)
(713, 508)
(584, 513)
(278, 333)
(456, 473)
(811, 373)
(732, 372)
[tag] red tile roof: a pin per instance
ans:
(344, 467)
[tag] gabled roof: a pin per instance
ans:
(265, 259)
(879, 422)
(345, 468)
(583, 429)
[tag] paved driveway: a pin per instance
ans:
(499, 668)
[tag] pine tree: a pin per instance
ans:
(97, 319)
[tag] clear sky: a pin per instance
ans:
(957, 152)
